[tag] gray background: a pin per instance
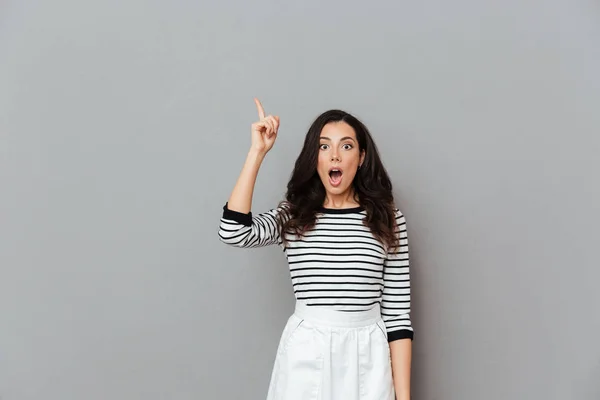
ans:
(124, 125)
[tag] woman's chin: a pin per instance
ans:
(335, 190)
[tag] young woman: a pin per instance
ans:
(346, 244)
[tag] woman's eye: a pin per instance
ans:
(348, 146)
(323, 146)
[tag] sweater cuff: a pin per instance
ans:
(400, 334)
(240, 218)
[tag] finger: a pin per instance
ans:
(274, 122)
(274, 125)
(261, 110)
(270, 126)
(259, 126)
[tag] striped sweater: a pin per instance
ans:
(337, 264)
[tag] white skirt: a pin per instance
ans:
(326, 354)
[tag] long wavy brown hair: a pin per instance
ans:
(372, 186)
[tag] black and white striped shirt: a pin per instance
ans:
(337, 264)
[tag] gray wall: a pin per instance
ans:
(124, 125)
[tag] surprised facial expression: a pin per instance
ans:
(339, 157)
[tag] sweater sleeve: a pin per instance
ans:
(396, 299)
(249, 231)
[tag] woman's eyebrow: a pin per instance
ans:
(342, 139)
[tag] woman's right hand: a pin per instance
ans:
(264, 131)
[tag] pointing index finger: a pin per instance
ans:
(261, 111)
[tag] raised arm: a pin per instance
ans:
(264, 133)
(237, 226)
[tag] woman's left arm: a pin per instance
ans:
(396, 306)
(401, 351)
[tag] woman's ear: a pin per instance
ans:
(362, 157)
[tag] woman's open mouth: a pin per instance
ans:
(335, 177)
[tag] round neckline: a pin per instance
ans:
(348, 210)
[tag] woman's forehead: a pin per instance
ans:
(337, 131)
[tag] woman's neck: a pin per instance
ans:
(344, 200)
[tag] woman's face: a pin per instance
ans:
(339, 157)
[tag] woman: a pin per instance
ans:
(346, 244)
